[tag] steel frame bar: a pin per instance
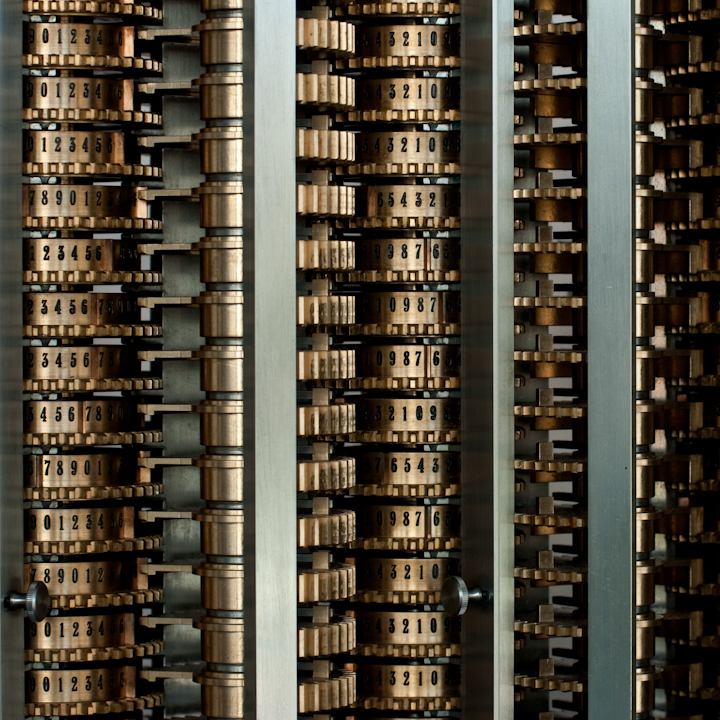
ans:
(611, 360)
(270, 374)
(487, 355)
(12, 681)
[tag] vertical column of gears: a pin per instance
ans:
(82, 204)
(326, 363)
(677, 157)
(221, 358)
(407, 254)
(550, 360)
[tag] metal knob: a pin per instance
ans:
(455, 596)
(35, 602)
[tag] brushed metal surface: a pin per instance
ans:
(611, 361)
(11, 550)
(270, 387)
(487, 351)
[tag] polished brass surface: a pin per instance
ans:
(220, 41)
(222, 694)
(408, 153)
(220, 150)
(85, 578)
(220, 95)
(78, 523)
(221, 531)
(221, 586)
(378, 360)
(222, 640)
(83, 261)
(220, 259)
(404, 473)
(408, 99)
(402, 527)
(392, 687)
(221, 477)
(221, 314)
(407, 633)
(410, 46)
(81, 685)
(410, 366)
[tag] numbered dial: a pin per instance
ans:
(91, 260)
(410, 313)
(72, 146)
(93, 367)
(79, 308)
(78, 152)
(74, 523)
(78, 581)
(407, 259)
(408, 420)
(80, 45)
(78, 39)
(409, 46)
(403, 580)
(399, 206)
(84, 685)
(408, 100)
(85, 206)
(83, 315)
(403, 527)
(73, 422)
(392, 687)
(398, 474)
(47, 98)
(408, 153)
(429, 634)
(63, 472)
(73, 530)
(84, 638)
(409, 366)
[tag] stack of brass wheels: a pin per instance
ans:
(407, 353)
(83, 205)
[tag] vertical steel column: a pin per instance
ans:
(487, 355)
(270, 357)
(611, 359)
(12, 682)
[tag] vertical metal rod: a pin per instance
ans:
(270, 358)
(487, 355)
(12, 684)
(611, 360)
